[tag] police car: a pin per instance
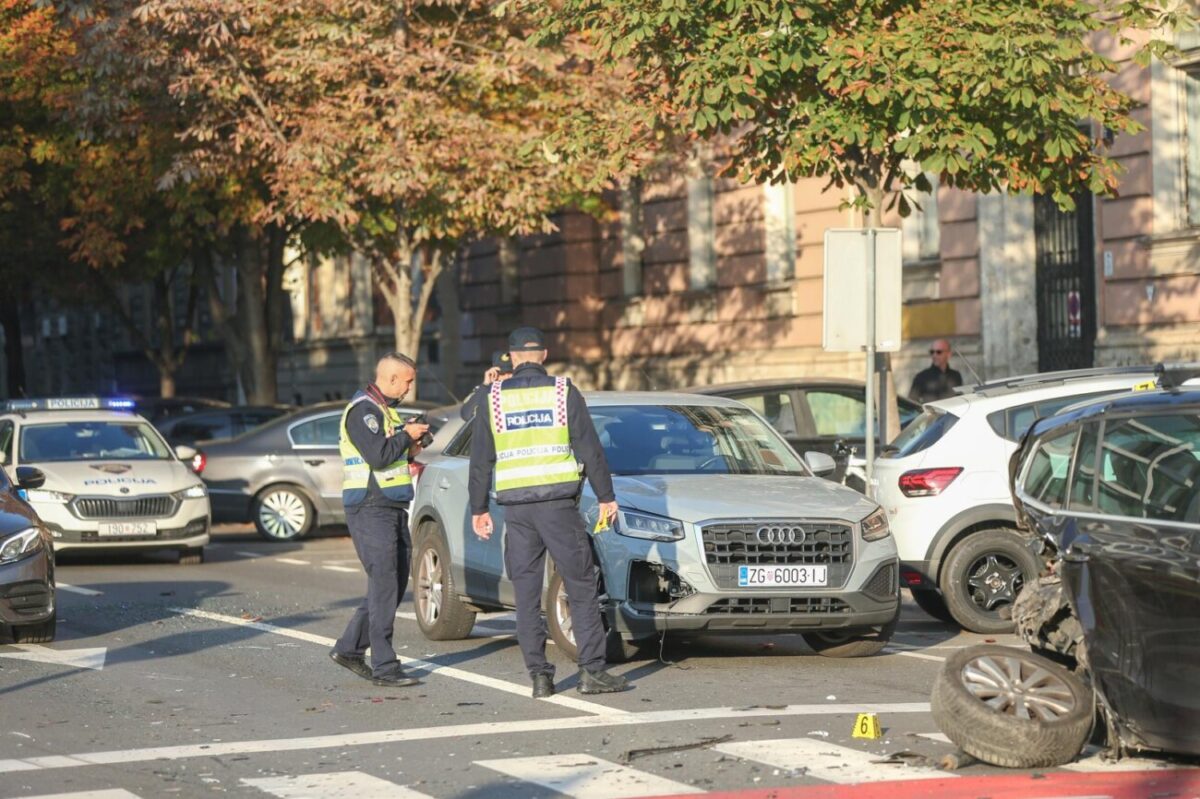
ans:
(111, 481)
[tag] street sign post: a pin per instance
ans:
(862, 305)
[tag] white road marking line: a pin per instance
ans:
(586, 777)
(341, 569)
(940, 737)
(291, 561)
(74, 589)
(894, 651)
(826, 761)
(112, 793)
(483, 628)
(333, 785)
(250, 554)
(85, 658)
(380, 737)
(436, 668)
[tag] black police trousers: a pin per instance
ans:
(380, 536)
(532, 529)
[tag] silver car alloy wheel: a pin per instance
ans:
(429, 587)
(1017, 687)
(282, 514)
(562, 613)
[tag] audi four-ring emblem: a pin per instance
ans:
(769, 534)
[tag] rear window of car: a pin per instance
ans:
(921, 434)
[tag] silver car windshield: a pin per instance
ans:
(691, 439)
(71, 441)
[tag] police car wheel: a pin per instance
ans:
(441, 613)
(283, 513)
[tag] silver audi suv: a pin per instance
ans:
(722, 529)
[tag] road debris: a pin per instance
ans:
(703, 743)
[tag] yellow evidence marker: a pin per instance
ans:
(867, 726)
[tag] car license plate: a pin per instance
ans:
(782, 576)
(114, 529)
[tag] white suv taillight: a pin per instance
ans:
(928, 482)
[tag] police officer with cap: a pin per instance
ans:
(376, 445)
(500, 369)
(529, 435)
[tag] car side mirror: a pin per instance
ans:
(821, 464)
(30, 477)
(185, 453)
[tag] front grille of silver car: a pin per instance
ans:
(728, 545)
(746, 605)
(115, 508)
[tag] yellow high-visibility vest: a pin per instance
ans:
(395, 481)
(534, 461)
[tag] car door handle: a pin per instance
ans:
(1075, 556)
(444, 484)
(314, 461)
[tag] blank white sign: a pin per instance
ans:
(845, 309)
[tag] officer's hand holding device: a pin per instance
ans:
(417, 429)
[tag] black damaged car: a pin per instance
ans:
(1110, 492)
(27, 607)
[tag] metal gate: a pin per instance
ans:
(1066, 284)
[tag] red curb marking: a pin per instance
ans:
(1165, 784)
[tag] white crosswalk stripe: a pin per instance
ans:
(112, 793)
(1093, 762)
(825, 761)
(586, 777)
(333, 785)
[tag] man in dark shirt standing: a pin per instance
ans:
(376, 445)
(939, 380)
(529, 433)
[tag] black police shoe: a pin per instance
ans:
(355, 663)
(600, 682)
(395, 679)
(543, 686)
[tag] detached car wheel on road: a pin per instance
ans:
(1012, 708)
(722, 529)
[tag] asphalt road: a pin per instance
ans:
(196, 680)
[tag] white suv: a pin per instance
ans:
(944, 484)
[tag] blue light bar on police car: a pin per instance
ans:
(69, 404)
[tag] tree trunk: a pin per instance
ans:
(451, 338)
(166, 384)
(14, 352)
(251, 324)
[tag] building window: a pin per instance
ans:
(509, 258)
(920, 232)
(779, 210)
(633, 240)
(702, 261)
(1192, 101)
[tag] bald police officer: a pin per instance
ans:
(376, 445)
(529, 434)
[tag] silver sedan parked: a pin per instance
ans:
(285, 476)
(722, 528)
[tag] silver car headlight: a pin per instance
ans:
(198, 491)
(875, 526)
(46, 495)
(636, 524)
(18, 546)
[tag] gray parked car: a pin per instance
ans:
(285, 476)
(722, 528)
